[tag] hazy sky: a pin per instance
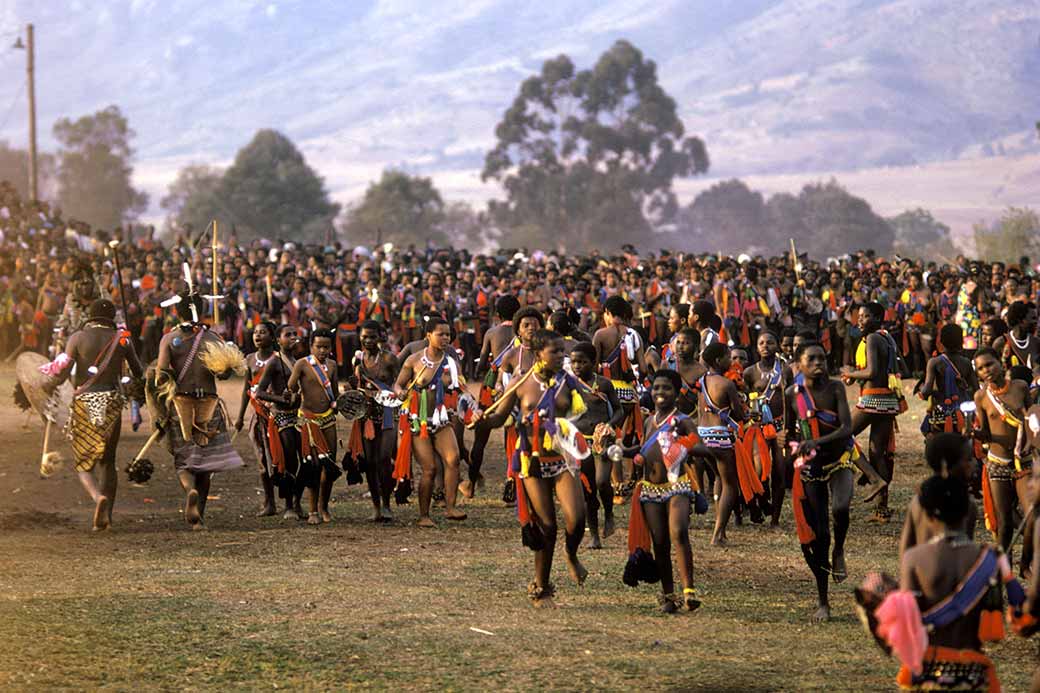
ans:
(774, 86)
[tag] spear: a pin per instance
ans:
(114, 245)
(216, 304)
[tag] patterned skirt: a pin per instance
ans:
(716, 437)
(880, 403)
(92, 420)
(662, 493)
(217, 456)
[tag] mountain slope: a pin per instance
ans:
(774, 86)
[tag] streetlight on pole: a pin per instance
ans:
(30, 60)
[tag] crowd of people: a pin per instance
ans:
(678, 383)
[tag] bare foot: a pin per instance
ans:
(290, 514)
(426, 522)
(101, 519)
(466, 488)
(774, 523)
(668, 605)
(267, 511)
(839, 572)
(198, 527)
(377, 516)
(874, 489)
(608, 526)
(690, 599)
(578, 572)
(594, 542)
(820, 615)
(455, 514)
(314, 519)
(879, 517)
(543, 603)
(385, 514)
(719, 540)
(326, 516)
(191, 508)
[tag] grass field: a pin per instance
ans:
(261, 603)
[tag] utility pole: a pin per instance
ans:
(29, 65)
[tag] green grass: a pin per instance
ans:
(265, 604)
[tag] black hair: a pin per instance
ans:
(704, 310)
(875, 309)
(944, 499)
(183, 308)
(506, 306)
(997, 326)
(671, 376)
(987, 351)
(713, 353)
(618, 307)
(944, 451)
(806, 336)
(282, 328)
(585, 348)
(528, 312)
(715, 323)
(560, 321)
(804, 347)
(103, 309)
(271, 327)
(370, 325)
(323, 332)
(682, 310)
(433, 322)
(951, 336)
(542, 338)
(1017, 312)
(692, 335)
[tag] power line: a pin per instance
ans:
(14, 102)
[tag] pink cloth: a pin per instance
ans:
(55, 367)
(899, 623)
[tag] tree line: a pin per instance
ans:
(586, 158)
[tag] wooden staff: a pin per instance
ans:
(270, 303)
(794, 261)
(216, 304)
(147, 444)
(505, 395)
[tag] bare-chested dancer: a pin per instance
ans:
(949, 455)
(719, 414)
(668, 490)
(497, 340)
(375, 369)
(264, 341)
(197, 452)
(1001, 404)
(98, 352)
(949, 602)
(603, 414)
(316, 379)
(1020, 346)
(949, 381)
(819, 421)
(516, 361)
(541, 397)
(427, 382)
(273, 388)
(770, 378)
(878, 404)
(622, 357)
